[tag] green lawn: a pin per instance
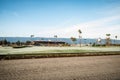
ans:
(34, 50)
(47, 52)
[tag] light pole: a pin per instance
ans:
(80, 32)
(116, 40)
(55, 36)
(85, 42)
(108, 39)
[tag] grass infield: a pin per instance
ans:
(51, 52)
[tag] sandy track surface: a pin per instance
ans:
(71, 68)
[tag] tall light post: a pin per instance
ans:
(85, 42)
(55, 36)
(108, 39)
(116, 40)
(80, 37)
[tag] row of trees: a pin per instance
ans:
(4, 42)
(7, 43)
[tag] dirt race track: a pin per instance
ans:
(70, 68)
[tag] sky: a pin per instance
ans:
(46, 18)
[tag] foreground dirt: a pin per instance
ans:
(71, 68)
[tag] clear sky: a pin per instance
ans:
(46, 18)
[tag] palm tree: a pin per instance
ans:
(31, 37)
(108, 39)
(73, 39)
(99, 41)
(80, 32)
(108, 35)
(55, 36)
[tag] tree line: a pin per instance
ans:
(19, 43)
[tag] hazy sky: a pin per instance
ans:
(46, 18)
